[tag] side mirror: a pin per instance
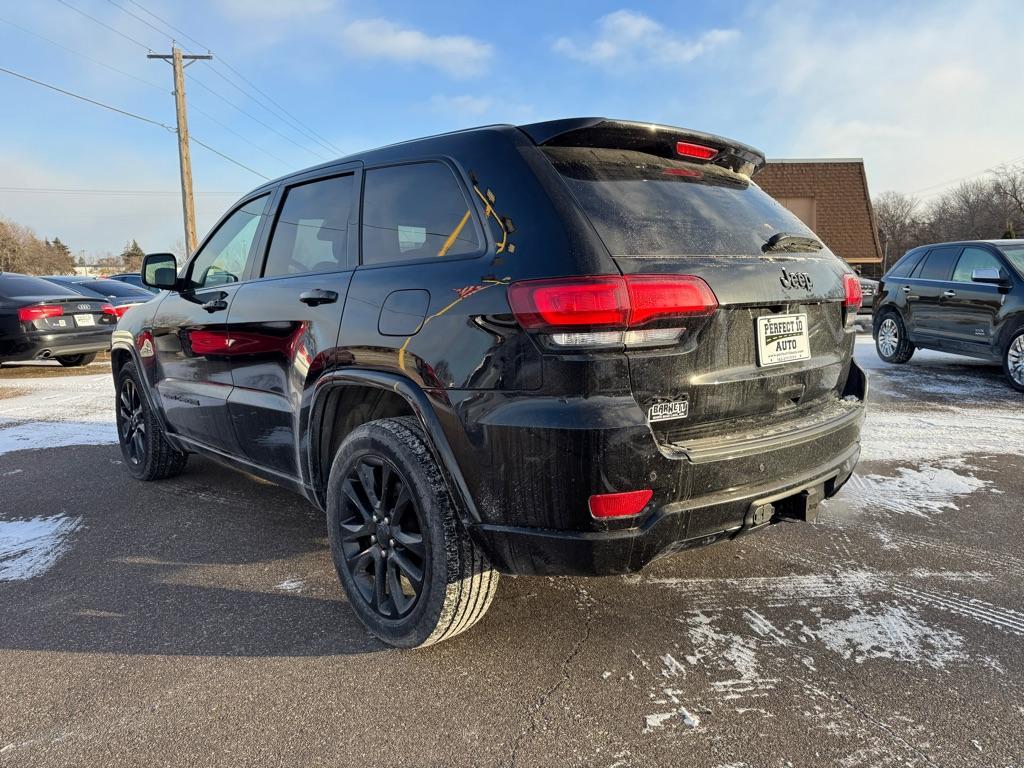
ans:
(990, 276)
(160, 270)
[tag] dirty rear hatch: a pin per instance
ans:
(664, 215)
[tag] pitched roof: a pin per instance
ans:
(844, 219)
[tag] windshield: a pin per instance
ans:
(1015, 253)
(644, 205)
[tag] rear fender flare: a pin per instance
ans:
(425, 414)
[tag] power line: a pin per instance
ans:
(309, 132)
(105, 25)
(126, 113)
(88, 191)
(963, 178)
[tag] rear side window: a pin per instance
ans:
(416, 211)
(311, 234)
(938, 264)
(16, 286)
(644, 205)
(974, 258)
(906, 265)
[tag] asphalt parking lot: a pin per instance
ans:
(198, 621)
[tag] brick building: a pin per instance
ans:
(831, 197)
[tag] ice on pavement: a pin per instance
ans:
(57, 412)
(29, 548)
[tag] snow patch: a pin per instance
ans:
(890, 632)
(29, 548)
(54, 434)
(919, 492)
(291, 585)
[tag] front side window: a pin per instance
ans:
(415, 211)
(311, 234)
(971, 259)
(222, 260)
(938, 264)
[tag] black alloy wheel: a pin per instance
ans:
(131, 422)
(381, 531)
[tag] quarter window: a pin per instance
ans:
(222, 260)
(905, 265)
(972, 259)
(415, 211)
(311, 234)
(938, 264)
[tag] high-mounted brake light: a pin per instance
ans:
(854, 293)
(610, 505)
(698, 151)
(38, 312)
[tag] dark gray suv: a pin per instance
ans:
(966, 298)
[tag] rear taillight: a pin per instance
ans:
(610, 505)
(108, 309)
(854, 294)
(635, 310)
(40, 311)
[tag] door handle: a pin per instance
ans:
(949, 294)
(215, 305)
(906, 289)
(318, 296)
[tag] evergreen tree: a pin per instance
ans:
(131, 256)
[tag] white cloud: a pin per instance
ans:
(630, 39)
(456, 55)
(890, 87)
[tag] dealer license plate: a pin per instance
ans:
(85, 320)
(782, 339)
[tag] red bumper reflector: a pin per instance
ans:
(854, 294)
(607, 505)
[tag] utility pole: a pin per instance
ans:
(177, 59)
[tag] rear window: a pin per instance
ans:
(112, 288)
(14, 286)
(644, 205)
(906, 265)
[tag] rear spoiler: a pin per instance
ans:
(660, 140)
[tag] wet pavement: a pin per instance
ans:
(198, 621)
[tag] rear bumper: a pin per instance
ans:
(533, 495)
(668, 530)
(47, 345)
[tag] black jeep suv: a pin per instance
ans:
(966, 298)
(561, 348)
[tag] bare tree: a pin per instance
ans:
(896, 215)
(1009, 183)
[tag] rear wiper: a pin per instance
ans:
(782, 241)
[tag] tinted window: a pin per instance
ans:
(311, 234)
(938, 264)
(112, 288)
(906, 265)
(974, 258)
(1015, 253)
(222, 260)
(644, 205)
(415, 211)
(13, 286)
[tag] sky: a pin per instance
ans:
(928, 93)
